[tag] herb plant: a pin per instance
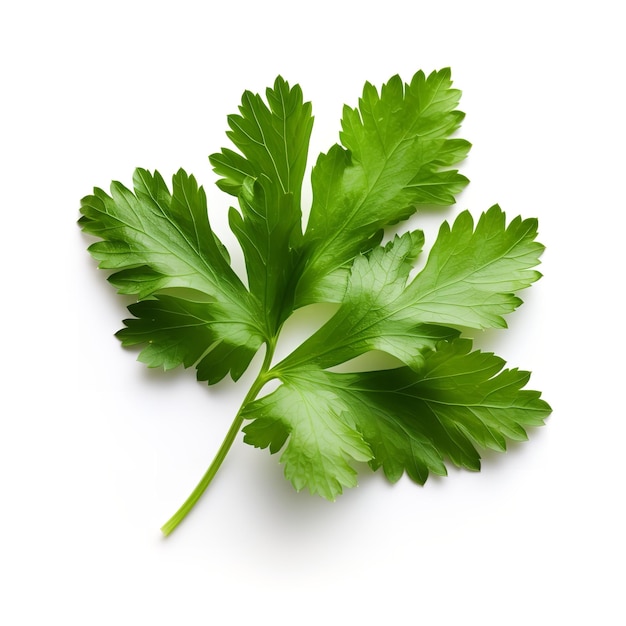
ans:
(397, 154)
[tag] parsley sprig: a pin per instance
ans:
(398, 153)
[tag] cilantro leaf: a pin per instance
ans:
(396, 148)
(471, 275)
(372, 316)
(458, 401)
(273, 141)
(444, 402)
(157, 241)
(177, 331)
(321, 437)
(467, 281)
(411, 421)
(267, 178)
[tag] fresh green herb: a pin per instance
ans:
(397, 154)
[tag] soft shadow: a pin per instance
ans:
(292, 514)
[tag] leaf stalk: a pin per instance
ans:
(262, 378)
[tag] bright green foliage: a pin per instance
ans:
(468, 281)
(396, 147)
(401, 419)
(321, 438)
(443, 402)
(158, 242)
(180, 331)
(267, 178)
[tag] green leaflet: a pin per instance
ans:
(443, 402)
(409, 421)
(396, 155)
(267, 177)
(157, 241)
(468, 281)
(178, 331)
(273, 140)
(372, 315)
(471, 275)
(321, 438)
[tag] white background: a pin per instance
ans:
(96, 452)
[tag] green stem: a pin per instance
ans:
(195, 495)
